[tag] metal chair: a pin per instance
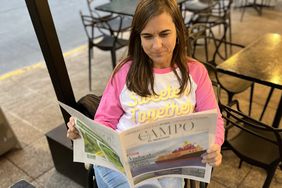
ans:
(101, 35)
(113, 20)
(253, 142)
(196, 7)
(220, 15)
(195, 33)
(230, 84)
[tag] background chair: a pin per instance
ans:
(118, 23)
(193, 9)
(230, 84)
(254, 142)
(219, 16)
(101, 35)
(197, 32)
(196, 7)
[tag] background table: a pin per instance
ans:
(124, 7)
(260, 62)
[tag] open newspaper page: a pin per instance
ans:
(97, 144)
(170, 147)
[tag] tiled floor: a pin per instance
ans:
(29, 103)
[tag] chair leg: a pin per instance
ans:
(240, 163)
(217, 45)
(243, 11)
(185, 183)
(192, 184)
(266, 103)
(90, 55)
(203, 185)
(270, 174)
(90, 177)
(225, 28)
(230, 96)
(225, 146)
(206, 47)
(113, 53)
(251, 98)
(230, 33)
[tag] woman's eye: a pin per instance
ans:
(147, 36)
(164, 35)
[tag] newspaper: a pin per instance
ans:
(169, 147)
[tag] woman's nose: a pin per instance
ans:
(157, 43)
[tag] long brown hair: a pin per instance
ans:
(140, 77)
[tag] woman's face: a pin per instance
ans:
(158, 40)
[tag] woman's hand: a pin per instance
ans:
(72, 132)
(213, 156)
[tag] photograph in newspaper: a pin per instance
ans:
(94, 146)
(180, 156)
(97, 144)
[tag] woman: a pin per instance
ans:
(155, 81)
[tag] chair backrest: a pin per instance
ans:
(253, 128)
(198, 6)
(231, 84)
(223, 7)
(195, 33)
(217, 46)
(91, 4)
(90, 27)
(200, 31)
(96, 27)
(220, 46)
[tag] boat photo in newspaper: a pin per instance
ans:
(169, 157)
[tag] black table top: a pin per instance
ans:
(260, 62)
(124, 7)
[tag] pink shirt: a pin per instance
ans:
(121, 109)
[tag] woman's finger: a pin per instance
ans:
(213, 156)
(216, 162)
(209, 156)
(70, 125)
(72, 134)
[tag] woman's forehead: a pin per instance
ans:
(160, 22)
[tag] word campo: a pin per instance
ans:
(165, 131)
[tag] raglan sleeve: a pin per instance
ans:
(110, 109)
(206, 100)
